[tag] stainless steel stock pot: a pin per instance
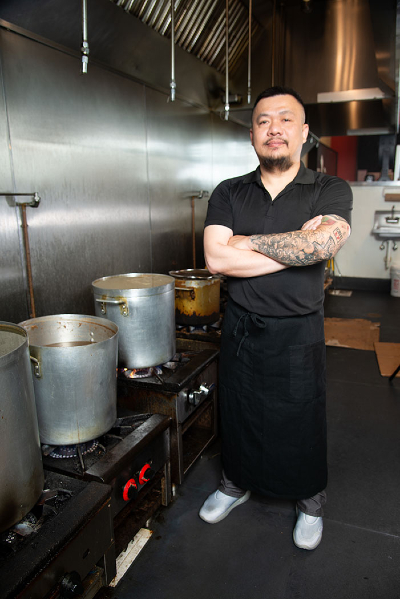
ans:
(143, 307)
(74, 376)
(197, 296)
(21, 470)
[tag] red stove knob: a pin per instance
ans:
(145, 474)
(130, 490)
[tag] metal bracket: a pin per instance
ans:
(34, 203)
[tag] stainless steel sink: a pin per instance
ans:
(387, 224)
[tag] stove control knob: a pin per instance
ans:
(71, 585)
(195, 396)
(145, 474)
(130, 490)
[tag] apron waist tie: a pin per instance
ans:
(257, 320)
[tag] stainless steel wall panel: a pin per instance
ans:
(13, 301)
(81, 143)
(233, 153)
(180, 158)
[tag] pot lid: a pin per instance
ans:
(134, 284)
(192, 273)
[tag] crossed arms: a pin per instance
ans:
(249, 256)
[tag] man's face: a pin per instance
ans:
(278, 132)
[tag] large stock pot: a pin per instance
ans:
(75, 382)
(197, 297)
(142, 305)
(21, 470)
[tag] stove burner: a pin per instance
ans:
(75, 460)
(157, 372)
(29, 524)
(141, 373)
(48, 505)
(70, 451)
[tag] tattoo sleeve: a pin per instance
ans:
(302, 248)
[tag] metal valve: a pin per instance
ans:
(195, 396)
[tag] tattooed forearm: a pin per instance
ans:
(302, 248)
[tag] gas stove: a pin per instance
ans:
(130, 457)
(184, 389)
(67, 533)
(97, 496)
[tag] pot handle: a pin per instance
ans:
(191, 290)
(122, 302)
(36, 367)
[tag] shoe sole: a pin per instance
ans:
(308, 547)
(228, 511)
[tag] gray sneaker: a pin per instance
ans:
(218, 505)
(307, 533)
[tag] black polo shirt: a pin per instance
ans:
(245, 206)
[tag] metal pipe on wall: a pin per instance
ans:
(172, 84)
(273, 45)
(28, 260)
(193, 232)
(227, 60)
(200, 194)
(85, 45)
(249, 57)
(34, 203)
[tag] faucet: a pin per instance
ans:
(392, 219)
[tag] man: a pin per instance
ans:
(271, 232)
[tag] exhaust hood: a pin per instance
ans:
(341, 58)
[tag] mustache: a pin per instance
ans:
(275, 139)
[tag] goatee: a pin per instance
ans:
(276, 163)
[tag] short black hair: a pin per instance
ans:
(279, 90)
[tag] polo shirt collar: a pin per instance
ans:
(305, 176)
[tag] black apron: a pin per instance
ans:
(273, 403)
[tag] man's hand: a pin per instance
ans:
(240, 242)
(312, 224)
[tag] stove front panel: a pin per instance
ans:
(192, 408)
(136, 467)
(179, 405)
(199, 389)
